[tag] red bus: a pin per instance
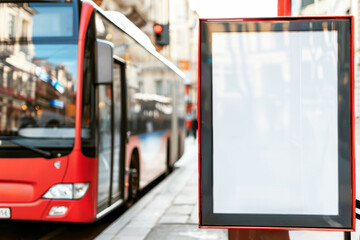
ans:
(90, 112)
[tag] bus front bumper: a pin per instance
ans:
(81, 210)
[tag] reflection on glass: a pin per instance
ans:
(52, 22)
(117, 131)
(105, 145)
(149, 97)
(38, 89)
(37, 80)
(275, 108)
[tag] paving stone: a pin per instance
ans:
(147, 222)
(160, 202)
(127, 238)
(107, 236)
(133, 233)
(185, 200)
(148, 213)
(174, 219)
(180, 209)
(185, 232)
(194, 217)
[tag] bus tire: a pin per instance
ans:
(134, 178)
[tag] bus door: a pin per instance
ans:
(111, 147)
(105, 143)
(119, 113)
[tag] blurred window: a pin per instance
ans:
(11, 25)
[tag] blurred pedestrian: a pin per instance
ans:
(194, 127)
(28, 120)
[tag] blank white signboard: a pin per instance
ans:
(275, 122)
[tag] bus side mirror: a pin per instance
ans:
(104, 62)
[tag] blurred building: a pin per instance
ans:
(183, 22)
(182, 50)
(143, 13)
(16, 84)
(320, 7)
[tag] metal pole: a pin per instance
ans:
(284, 8)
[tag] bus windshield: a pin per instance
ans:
(37, 75)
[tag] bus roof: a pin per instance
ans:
(123, 23)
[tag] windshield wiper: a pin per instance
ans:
(34, 149)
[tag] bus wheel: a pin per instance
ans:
(133, 180)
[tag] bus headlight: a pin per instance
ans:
(67, 191)
(80, 189)
(60, 191)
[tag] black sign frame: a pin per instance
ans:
(345, 221)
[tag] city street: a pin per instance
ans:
(102, 103)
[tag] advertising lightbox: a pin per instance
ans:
(277, 123)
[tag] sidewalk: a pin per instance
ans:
(169, 211)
